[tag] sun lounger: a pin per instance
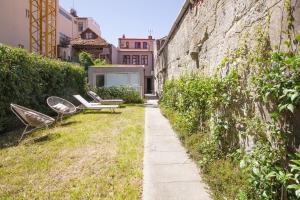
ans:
(94, 106)
(98, 99)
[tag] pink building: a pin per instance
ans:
(139, 51)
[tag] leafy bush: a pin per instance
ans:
(129, 95)
(28, 79)
(295, 175)
(100, 62)
(86, 59)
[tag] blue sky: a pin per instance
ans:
(133, 18)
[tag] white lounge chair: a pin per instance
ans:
(98, 99)
(94, 106)
(31, 118)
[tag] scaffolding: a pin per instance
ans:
(43, 23)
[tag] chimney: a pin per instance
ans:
(123, 36)
(150, 37)
(73, 12)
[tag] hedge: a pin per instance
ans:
(29, 79)
(129, 95)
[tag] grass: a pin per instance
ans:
(91, 155)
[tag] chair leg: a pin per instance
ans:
(58, 117)
(24, 132)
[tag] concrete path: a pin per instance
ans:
(169, 174)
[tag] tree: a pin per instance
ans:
(86, 60)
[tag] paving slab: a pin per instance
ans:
(169, 174)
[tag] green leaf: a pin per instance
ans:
(255, 171)
(296, 162)
(291, 107)
(282, 107)
(294, 186)
(275, 115)
(297, 37)
(242, 164)
(298, 193)
(294, 96)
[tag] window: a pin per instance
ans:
(63, 39)
(145, 45)
(89, 35)
(137, 45)
(100, 80)
(27, 13)
(80, 26)
(126, 59)
(123, 79)
(144, 60)
(117, 79)
(127, 45)
(135, 60)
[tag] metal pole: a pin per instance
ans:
(47, 28)
(41, 27)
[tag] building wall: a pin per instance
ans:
(131, 43)
(68, 27)
(148, 68)
(210, 29)
(127, 47)
(89, 23)
(14, 23)
(67, 24)
(114, 55)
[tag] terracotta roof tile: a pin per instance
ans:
(89, 42)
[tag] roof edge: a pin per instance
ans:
(176, 24)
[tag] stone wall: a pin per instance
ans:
(207, 30)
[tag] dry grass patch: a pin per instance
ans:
(92, 155)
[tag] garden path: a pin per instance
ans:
(169, 173)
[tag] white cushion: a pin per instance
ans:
(61, 107)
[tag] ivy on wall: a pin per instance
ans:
(250, 99)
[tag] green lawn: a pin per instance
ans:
(92, 155)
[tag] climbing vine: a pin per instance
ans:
(242, 115)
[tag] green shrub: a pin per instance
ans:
(28, 79)
(225, 178)
(100, 62)
(294, 176)
(129, 95)
(216, 116)
(86, 59)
